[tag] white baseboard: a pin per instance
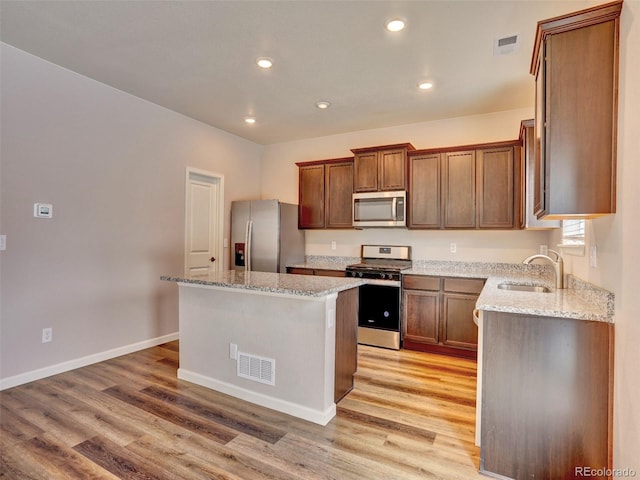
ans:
(316, 416)
(83, 362)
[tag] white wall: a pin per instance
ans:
(113, 166)
(280, 180)
(618, 249)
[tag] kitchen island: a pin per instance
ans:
(286, 342)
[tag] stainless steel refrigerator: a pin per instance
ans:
(265, 236)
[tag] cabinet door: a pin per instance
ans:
(540, 171)
(580, 105)
(365, 172)
(458, 328)
(459, 189)
(495, 188)
(421, 316)
(311, 196)
(392, 171)
(339, 188)
(424, 191)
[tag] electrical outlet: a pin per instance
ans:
(3, 243)
(47, 335)
(593, 256)
(544, 250)
(453, 248)
(333, 245)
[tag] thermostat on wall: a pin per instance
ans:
(42, 210)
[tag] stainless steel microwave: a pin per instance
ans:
(380, 209)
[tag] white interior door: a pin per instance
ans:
(203, 222)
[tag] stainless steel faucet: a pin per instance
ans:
(558, 265)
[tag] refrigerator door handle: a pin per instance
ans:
(247, 242)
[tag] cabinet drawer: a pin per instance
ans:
(463, 285)
(420, 282)
(329, 273)
(300, 271)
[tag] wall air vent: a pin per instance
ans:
(505, 45)
(258, 369)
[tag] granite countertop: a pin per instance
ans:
(266, 282)
(580, 300)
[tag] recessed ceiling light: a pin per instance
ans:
(249, 120)
(264, 62)
(425, 85)
(323, 104)
(395, 24)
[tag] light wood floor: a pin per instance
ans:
(410, 416)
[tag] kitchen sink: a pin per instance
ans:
(523, 288)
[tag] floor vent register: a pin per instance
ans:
(258, 369)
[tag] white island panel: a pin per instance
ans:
(298, 332)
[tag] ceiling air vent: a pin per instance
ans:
(505, 45)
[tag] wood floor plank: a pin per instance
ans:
(226, 418)
(184, 419)
(46, 457)
(122, 463)
(15, 429)
(46, 416)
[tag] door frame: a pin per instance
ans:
(219, 213)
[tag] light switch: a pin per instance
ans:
(3, 243)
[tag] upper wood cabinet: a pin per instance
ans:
(526, 217)
(324, 193)
(495, 184)
(470, 187)
(459, 189)
(575, 64)
(424, 191)
(380, 168)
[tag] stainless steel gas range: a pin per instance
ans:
(379, 311)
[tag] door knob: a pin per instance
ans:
(213, 259)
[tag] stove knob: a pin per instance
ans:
(360, 274)
(382, 275)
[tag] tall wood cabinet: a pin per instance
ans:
(324, 193)
(469, 187)
(575, 64)
(380, 168)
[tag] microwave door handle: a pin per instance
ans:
(394, 208)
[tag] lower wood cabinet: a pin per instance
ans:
(546, 397)
(437, 314)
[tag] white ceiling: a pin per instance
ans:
(198, 57)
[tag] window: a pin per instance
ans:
(573, 232)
